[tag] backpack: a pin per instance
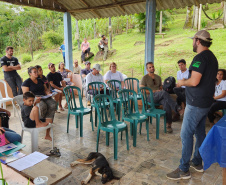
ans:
(5, 119)
(169, 84)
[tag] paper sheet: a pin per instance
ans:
(28, 161)
(7, 147)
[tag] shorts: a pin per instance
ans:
(31, 123)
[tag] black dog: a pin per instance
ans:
(100, 167)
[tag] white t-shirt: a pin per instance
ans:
(113, 76)
(93, 78)
(181, 75)
(218, 90)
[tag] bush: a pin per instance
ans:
(26, 58)
(51, 39)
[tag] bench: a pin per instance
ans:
(161, 34)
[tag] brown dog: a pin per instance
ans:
(100, 167)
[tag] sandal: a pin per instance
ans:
(61, 108)
(169, 129)
(55, 152)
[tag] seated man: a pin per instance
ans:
(154, 82)
(94, 76)
(30, 112)
(87, 69)
(103, 45)
(85, 47)
(57, 84)
(182, 74)
(76, 68)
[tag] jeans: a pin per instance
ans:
(180, 92)
(168, 103)
(193, 123)
(83, 54)
(217, 105)
(15, 83)
(12, 136)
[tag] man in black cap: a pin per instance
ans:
(103, 45)
(200, 87)
(87, 69)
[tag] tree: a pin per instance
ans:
(188, 21)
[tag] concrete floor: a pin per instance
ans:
(148, 163)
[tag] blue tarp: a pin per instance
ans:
(213, 148)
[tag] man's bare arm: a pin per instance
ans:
(191, 82)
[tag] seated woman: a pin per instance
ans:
(112, 74)
(65, 74)
(10, 136)
(47, 106)
(219, 96)
(41, 76)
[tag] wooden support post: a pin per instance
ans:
(224, 17)
(78, 36)
(224, 176)
(196, 17)
(110, 32)
(200, 13)
(94, 29)
(160, 23)
(127, 25)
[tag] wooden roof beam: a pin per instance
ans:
(23, 3)
(116, 4)
(120, 7)
(87, 5)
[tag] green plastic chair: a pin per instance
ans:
(130, 112)
(224, 111)
(78, 110)
(114, 87)
(108, 123)
(152, 111)
(129, 84)
(94, 88)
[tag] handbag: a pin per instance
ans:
(4, 119)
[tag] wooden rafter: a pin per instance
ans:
(34, 4)
(120, 7)
(116, 4)
(87, 5)
(60, 4)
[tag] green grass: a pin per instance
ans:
(130, 58)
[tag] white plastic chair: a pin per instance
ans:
(18, 102)
(7, 98)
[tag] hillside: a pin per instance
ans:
(130, 58)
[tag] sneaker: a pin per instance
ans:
(169, 129)
(178, 174)
(198, 168)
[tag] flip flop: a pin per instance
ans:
(55, 152)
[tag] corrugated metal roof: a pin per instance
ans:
(85, 9)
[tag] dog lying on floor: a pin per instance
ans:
(100, 167)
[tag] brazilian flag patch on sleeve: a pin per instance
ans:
(196, 64)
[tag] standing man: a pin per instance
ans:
(180, 91)
(10, 65)
(103, 45)
(200, 87)
(154, 82)
(85, 47)
(62, 50)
